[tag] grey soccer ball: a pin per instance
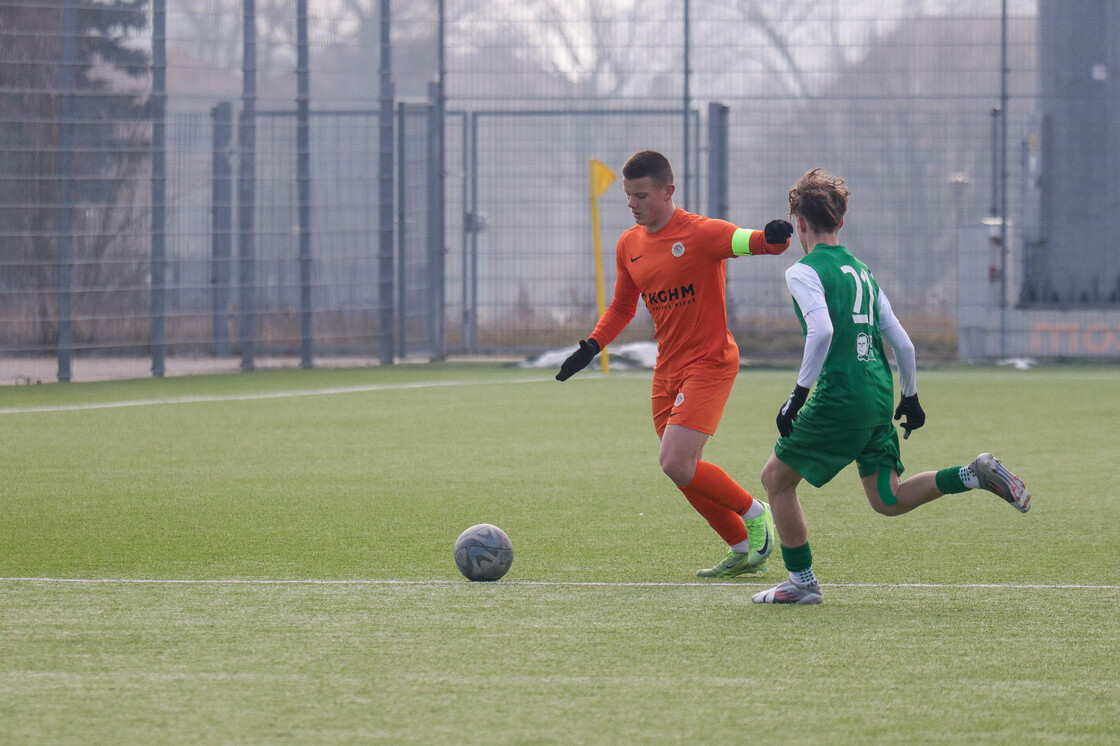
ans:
(483, 552)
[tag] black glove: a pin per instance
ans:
(912, 410)
(788, 413)
(578, 360)
(777, 231)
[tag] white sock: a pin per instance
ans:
(755, 510)
(968, 476)
(803, 577)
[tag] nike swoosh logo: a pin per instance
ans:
(765, 544)
(636, 258)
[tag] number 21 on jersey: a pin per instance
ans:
(861, 314)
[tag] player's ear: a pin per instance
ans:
(669, 189)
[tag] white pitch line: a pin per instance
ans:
(262, 395)
(619, 584)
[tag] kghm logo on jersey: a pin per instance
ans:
(673, 295)
(864, 351)
(678, 249)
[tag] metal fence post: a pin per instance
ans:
(719, 200)
(159, 185)
(303, 179)
(470, 262)
(686, 107)
(66, 191)
(466, 232)
(402, 233)
(221, 228)
(436, 223)
(246, 190)
(437, 191)
(385, 192)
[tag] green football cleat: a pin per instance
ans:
(760, 532)
(734, 564)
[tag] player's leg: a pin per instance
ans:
(890, 496)
(816, 451)
(879, 465)
(685, 423)
(704, 485)
(984, 473)
(780, 481)
(681, 449)
(741, 521)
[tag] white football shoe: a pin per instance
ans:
(995, 478)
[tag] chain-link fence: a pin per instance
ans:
(231, 182)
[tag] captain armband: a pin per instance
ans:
(741, 241)
(748, 242)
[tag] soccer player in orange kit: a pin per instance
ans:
(676, 262)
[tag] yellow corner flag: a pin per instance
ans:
(601, 178)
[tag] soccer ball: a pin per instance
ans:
(483, 552)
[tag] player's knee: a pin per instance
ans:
(884, 509)
(886, 502)
(769, 477)
(680, 470)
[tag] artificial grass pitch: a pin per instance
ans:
(269, 558)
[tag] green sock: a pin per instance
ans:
(949, 481)
(799, 562)
(797, 558)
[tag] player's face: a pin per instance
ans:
(651, 205)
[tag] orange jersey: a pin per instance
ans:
(680, 272)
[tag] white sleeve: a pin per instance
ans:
(818, 338)
(805, 286)
(895, 335)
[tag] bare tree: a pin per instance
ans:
(110, 144)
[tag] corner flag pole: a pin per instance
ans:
(601, 178)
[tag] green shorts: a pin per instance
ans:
(819, 451)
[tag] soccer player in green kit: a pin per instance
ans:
(846, 318)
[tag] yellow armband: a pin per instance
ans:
(747, 242)
(741, 241)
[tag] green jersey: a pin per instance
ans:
(855, 388)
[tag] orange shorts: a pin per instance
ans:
(695, 402)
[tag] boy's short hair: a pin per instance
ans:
(820, 198)
(648, 163)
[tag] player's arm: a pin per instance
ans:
(618, 314)
(895, 335)
(805, 286)
(773, 239)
